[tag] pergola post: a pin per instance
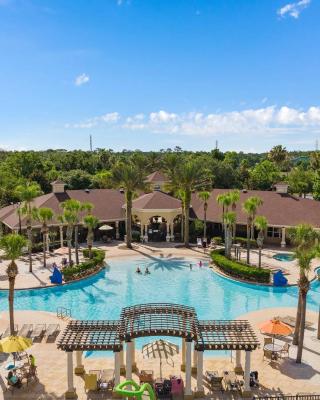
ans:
(116, 368)
(129, 360)
(133, 357)
(246, 388)
(200, 391)
(71, 392)
(61, 235)
(283, 237)
(188, 390)
(194, 361)
(117, 230)
(79, 369)
(238, 367)
(172, 231)
(183, 355)
(122, 365)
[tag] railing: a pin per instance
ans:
(302, 396)
(64, 313)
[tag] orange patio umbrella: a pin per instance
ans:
(275, 327)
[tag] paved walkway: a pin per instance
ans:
(282, 377)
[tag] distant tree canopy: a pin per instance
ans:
(85, 169)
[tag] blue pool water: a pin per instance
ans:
(171, 280)
(283, 257)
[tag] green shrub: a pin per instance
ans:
(239, 269)
(217, 240)
(86, 267)
(243, 242)
(135, 236)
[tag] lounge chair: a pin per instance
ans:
(291, 321)
(7, 331)
(107, 379)
(90, 382)
(25, 330)
(267, 354)
(52, 330)
(199, 242)
(214, 380)
(267, 340)
(146, 376)
(38, 331)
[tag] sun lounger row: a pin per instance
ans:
(36, 331)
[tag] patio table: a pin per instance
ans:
(274, 349)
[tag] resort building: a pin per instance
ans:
(157, 215)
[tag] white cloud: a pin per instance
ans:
(294, 9)
(81, 79)
(271, 121)
(110, 117)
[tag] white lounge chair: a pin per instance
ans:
(25, 330)
(199, 242)
(38, 331)
(52, 330)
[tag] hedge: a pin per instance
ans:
(86, 267)
(241, 240)
(239, 269)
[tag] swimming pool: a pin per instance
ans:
(104, 295)
(283, 257)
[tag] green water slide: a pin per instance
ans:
(138, 391)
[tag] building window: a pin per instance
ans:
(274, 232)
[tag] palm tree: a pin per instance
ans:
(229, 219)
(204, 196)
(234, 197)
(188, 177)
(90, 222)
(68, 217)
(305, 240)
(130, 178)
(278, 155)
(225, 201)
(250, 207)
(180, 194)
(261, 223)
(45, 215)
(27, 193)
(75, 207)
(12, 245)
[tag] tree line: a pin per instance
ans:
(231, 170)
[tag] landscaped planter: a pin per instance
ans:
(85, 268)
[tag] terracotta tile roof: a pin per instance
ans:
(157, 176)
(280, 209)
(156, 200)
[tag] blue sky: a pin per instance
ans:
(154, 74)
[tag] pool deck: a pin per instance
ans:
(283, 377)
(40, 275)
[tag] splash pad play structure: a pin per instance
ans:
(124, 389)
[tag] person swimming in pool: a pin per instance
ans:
(200, 263)
(190, 266)
(146, 272)
(138, 270)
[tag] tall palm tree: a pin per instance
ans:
(70, 219)
(305, 240)
(261, 223)
(130, 178)
(76, 208)
(225, 201)
(188, 176)
(90, 222)
(229, 219)
(234, 197)
(250, 207)
(26, 194)
(12, 245)
(45, 215)
(204, 196)
(279, 155)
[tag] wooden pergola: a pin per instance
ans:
(159, 319)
